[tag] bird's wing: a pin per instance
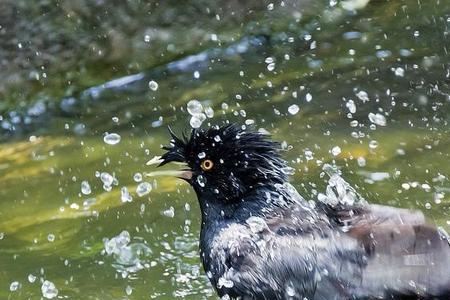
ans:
(381, 253)
(405, 255)
(269, 260)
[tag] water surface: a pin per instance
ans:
(367, 90)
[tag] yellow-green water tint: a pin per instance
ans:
(53, 231)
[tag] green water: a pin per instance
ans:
(390, 58)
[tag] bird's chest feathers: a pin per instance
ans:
(225, 252)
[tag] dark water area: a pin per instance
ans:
(361, 85)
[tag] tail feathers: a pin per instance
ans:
(406, 257)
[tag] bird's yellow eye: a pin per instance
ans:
(206, 165)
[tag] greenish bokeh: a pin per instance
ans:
(390, 58)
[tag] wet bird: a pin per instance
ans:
(260, 239)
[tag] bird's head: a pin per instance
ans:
(225, 163)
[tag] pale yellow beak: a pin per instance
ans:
(183, 174)
(156, 160)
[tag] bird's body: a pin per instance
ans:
(261, 240)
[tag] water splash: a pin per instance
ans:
(129, 257)
(338, 191)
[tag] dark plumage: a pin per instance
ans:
(261, 240)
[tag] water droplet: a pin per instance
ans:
(51, 237)
(351, 106)
(270, 6)
(201, 180)
(406, 186)
(153, 85)
(269, 60)
(197, 120)
(31, 278)
(14, 286)
(363, 96)
(309, 155)
(308, 97)
(111, 138)
(361, 161)
(201, 155)
(354, 123)
(293, 109)
(143, 189)
(271, 67)
(400, 151)
(400, 72)
(217, 138)
(170, 213)
(85, 187)
(336, 150)
(49, 290)
(373, 144)
(426, 187)
(194, 107)
(405, 52)
(381, 54)
(106, 178)
(209, 112)
(377, 119)
(138, 176)
(125, 195)
(128, 290)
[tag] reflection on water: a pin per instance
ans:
(366, 90)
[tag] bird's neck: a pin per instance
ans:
(261, 202)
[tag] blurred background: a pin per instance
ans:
(88, 87)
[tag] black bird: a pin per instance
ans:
(260, 239)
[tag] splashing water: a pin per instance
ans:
(338, 191)
(49, 290)
(143, 189)
(129, 257)
(125, 195)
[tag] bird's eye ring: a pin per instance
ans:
(207, 165)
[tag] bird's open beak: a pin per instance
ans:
(185, 174)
